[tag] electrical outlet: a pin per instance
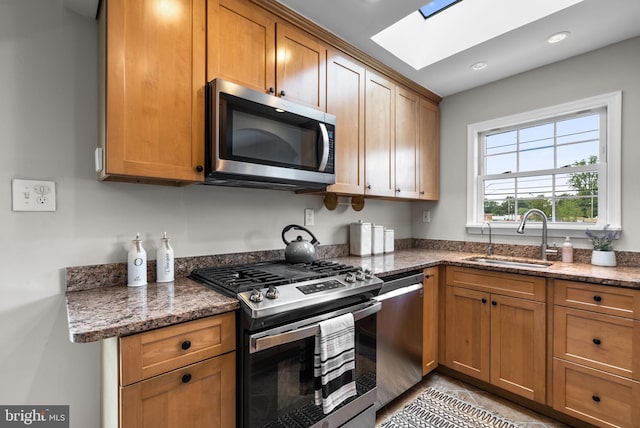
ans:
(426, 216)
(33, 195)
(309, 217)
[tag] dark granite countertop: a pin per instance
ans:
(103, 312)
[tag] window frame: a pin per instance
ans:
(609, 180)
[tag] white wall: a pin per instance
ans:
(48, 130)
(605, 70)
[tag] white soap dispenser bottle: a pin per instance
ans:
(164, 260)
(137, 264)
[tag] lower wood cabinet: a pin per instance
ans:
(177, 376)
(596, 364)
(430, 320)
(495, 337)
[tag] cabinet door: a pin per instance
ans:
(241, 44)
(406, 144)
(301, 64)
(379, 136)
(518, 338)
(429, 151)
(430, 321)
(155, 75)
(197, 396)
(345, 100)
(468, 332)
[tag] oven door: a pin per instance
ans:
(278, 384)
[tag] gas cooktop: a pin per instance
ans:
(274, 287)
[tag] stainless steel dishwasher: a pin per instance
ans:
(399, 335)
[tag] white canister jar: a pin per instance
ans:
(164, 261)
(377, 239)
(389, 239)
(360, 238)
(137, 264)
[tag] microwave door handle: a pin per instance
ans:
(325, 147)
(257, 344)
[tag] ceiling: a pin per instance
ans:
(592, 24)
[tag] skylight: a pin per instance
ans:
(435, 6)
(420, 42)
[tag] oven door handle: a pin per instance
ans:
(257, 344)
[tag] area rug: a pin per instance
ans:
(434, 408)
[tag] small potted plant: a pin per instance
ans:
(603, 254)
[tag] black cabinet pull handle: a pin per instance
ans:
(271, 90)
(369, 186)
(484, 300)
(186, 378)
(597, 298)
(282, 94)
(596, 341)
(186, 345)
(398, 190)
(494, 303)
(595, 398)
(199, 168)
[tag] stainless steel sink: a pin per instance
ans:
(511, 262)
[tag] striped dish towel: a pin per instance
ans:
(334, 362)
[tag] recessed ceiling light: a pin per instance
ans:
(479, 65)
(558, 37)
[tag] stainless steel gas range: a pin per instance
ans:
(282, 305)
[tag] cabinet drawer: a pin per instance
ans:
(197, 396)
(507, 284)
(158, 351)
(600, 341)
(623, 302)
(594, 396)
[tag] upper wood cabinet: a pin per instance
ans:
(152, 90)
(379, 136)
(241, 44)
(251, 47)
(429, 151)
(345, 100)
(406, 144)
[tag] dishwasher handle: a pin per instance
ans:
(398, 292)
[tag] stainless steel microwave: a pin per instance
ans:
(258, 140)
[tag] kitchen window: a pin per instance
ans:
(564, 160)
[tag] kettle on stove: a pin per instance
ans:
(300, 250)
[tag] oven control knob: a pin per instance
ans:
(256, 296)
(368, 274)
(272, 292)
(350, 277)
(360, 275)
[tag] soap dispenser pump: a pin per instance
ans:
(164, 260)
(137, 264)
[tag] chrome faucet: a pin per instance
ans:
(544, 251)
(489, 247)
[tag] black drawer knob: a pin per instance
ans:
(272, 90)
(186, 378)
(282, 93)
(596, 341)
(186, 345)
(199, 168)
(484, 300)
(494, 303)
(597, 298)
(595, 398)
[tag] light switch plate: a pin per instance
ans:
(33, 195)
